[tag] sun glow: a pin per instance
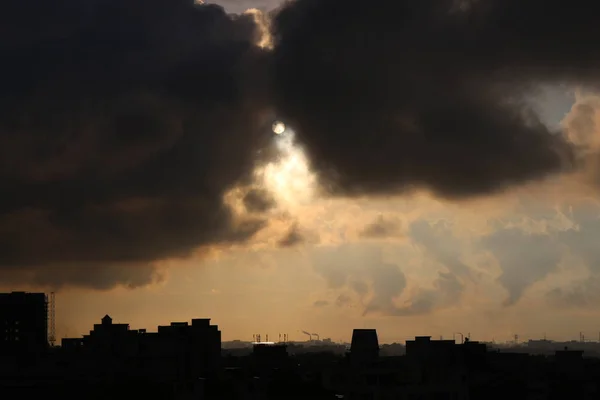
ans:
(278, 128)
(288, 178)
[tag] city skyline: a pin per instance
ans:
(302, 335)
(186, 360)
(143, 180)
(30, 319)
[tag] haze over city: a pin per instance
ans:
(304, 166)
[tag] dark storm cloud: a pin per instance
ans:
(410, 93)
(94, 276)
(122, 123)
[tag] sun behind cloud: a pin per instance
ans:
(289, 177)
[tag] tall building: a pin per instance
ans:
(23, 323)
(364, 346)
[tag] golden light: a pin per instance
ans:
(278, 128)
(263, 24)
(288, 178)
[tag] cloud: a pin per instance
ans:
(524, 258)
(543, 246)
(582, 127)
(362, 270)
(382, 228)
(544, 239)
(387, 283)
(440, 244)
(582, 244)
(582, 294)
(258, 200)
(446, 292)
(292, 237)
(98, 277)
(239, 6)
(122, 124)
(321, 303)
(411, 94)
(296, 236)
(364, 277)
(343, 300)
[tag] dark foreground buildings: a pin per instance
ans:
(443, 369)
(179, 352)
(183, 360)
(23, 324)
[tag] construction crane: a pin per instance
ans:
(309, 335)
(51, 319)
(317, 335)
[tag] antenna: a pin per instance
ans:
(52, 320)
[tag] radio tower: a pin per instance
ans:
(51, 320)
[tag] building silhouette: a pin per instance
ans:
(183, 360)
(177, 352)
(364, 347)
(23, 324)
(270, 355)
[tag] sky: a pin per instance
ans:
(438, 172)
